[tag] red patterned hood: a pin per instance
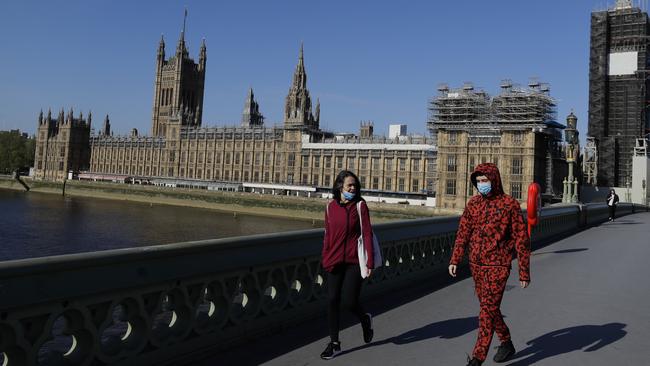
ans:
(492, 172)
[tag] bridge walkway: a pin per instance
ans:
(588, 304)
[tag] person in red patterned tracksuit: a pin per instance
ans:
(493, 226)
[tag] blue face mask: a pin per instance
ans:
(484, 188)
(348, 196)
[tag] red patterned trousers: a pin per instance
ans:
(490, 283)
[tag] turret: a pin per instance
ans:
(61, 119)
(106, 129)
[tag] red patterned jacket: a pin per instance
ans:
(493, 227)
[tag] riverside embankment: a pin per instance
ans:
(301, 208)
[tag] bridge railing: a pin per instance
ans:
(173, 303)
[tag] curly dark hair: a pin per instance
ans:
(338, 185)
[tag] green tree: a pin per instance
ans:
(16, 151)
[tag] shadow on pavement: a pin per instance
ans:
(263, 350)
(562, 251)
(446, 329)
(587, 338)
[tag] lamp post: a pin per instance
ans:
(570, 191)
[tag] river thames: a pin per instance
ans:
(37, 224)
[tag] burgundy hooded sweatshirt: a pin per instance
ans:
(493, 226)
(342, 230)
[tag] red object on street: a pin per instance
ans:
(534, 205)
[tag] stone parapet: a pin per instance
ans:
(175, 303)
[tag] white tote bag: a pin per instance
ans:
(361, 249)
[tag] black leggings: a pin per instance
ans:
(612, 212)
(344, 287)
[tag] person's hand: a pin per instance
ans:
(369, 271)
(452, 270)
(524, 284)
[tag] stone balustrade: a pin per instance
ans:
(171, 304)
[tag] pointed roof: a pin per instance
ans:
(180, 48)
(300, 76)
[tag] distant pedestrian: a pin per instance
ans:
(493, 226)
(612, 202)
(340, 258)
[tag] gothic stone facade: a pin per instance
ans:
(297, 153)
(62, 145)
(515, 130)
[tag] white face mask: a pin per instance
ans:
(484, 188)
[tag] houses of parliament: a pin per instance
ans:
(298, 153)
(180, 148)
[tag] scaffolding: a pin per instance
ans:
(590, 162)
(617, 103)
(514, 108)
(458, 108)
(517, 106)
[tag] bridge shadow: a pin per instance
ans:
(446, 329)
(587, 338)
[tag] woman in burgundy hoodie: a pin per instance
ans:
(340, 259)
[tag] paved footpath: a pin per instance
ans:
(588, 304)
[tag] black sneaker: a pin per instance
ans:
(504, 352)
(474, 362)
(332, 349)
(366, 325)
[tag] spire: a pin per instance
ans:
(40, 117)
(49, 115)
(90, 118)
(161, 48)
(300, 76)
(202, 54)
(317, 115)
(251, 117)
(184, 20)
(181, 41)
(298, 107)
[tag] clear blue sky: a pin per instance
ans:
(365, 60)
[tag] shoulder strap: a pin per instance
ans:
(359, 214)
